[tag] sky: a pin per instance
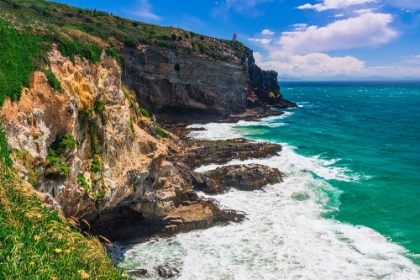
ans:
(357, 38)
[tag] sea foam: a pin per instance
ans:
(285, 234)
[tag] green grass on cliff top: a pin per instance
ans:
(120, 31)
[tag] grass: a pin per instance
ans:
(54, 19)
(17, 55)
(38, 243)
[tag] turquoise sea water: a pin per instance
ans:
(372, 131)
(348, 206)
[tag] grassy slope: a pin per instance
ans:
(120, 31)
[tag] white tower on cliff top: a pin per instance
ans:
(234, 37)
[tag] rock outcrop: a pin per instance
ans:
(245, 177)
(93, 154)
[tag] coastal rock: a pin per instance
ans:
(245, 177)
(167, 271)
(139, 272)
(220, 152)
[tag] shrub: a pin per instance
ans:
(99, 106)
(161, 132)
(67, 143)
(96, 163)
(56, 168)
(145, 113)
(111, 52)
(52, 80)
(82, 181)
(173, 36)
(131, 125)
(17, 52)
(129, 43)
(177, 67)
(276, 92)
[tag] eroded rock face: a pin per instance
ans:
(245, 177)
(199, 86)
(117, 168)
(180, 86)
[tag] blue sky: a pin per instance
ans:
(300, 37)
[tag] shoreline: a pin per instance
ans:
(357, 235)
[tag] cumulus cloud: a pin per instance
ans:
(267, 32)
(310, 64)
(259, 40)
(369, 29)
(335, 4)
(363, 11)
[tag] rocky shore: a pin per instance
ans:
(125, 174)
(125, 225)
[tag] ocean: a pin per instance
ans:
(349, 206)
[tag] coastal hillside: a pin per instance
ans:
(82, 94)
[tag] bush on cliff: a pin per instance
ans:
(52, 80)
(17, 52)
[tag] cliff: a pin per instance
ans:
(77, 133)
(178, 85)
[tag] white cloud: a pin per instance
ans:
(335, 4)
(143, 10)
(325, 65)
(267, 32)
(300, 26)
(310, 64)
(262, 41)
(339, 15)
(363, 11)
(365, 30)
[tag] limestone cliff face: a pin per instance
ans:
(133, 170)
(168, 81)
(176, 83)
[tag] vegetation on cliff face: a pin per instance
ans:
(36, 242)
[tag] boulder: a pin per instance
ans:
(245, 177)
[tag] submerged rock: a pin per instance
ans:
(245, 177)
(137, 272)
(166, 271)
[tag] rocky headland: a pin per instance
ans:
(108, 147)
